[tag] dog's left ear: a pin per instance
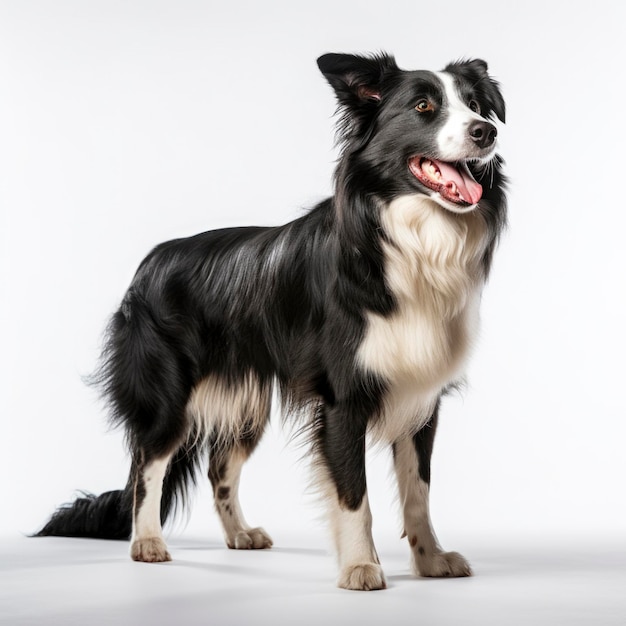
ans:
(487, 89)
(357, 80)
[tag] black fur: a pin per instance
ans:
(284, 305)
(108, 516)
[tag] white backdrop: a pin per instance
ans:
(123, 124)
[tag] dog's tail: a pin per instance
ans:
(140, 353)
(109, 515)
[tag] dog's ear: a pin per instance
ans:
(475, 72)
(357, 80)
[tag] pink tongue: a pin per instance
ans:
(466, 185)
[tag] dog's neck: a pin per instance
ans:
(432, 251)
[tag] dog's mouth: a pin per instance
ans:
(453, 181)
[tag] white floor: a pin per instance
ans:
(517, 581)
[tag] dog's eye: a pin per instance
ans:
(474, 106)
(423, 105)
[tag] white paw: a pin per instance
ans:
(363, 577)
(250, 539)
(443, 565)
(149, 550)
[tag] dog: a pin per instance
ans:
(362, 313)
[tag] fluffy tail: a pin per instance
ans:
(144, 376)
(110, 515)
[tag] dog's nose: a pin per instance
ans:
(483, 134)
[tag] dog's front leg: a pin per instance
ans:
(412, 464)
(359, 567)
(342, 477)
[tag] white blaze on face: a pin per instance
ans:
(454, 142)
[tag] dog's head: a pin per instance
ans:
(417, 131)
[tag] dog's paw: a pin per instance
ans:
(362, 577)
(250, 539)
(443, 565)
(150, 550)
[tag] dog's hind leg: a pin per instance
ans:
(160, 476)
(341, 477)
(225, 462)
(241, 413)
(412, 465)
(147, 543)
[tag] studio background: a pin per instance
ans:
(124, 124)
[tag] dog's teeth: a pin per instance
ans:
(431, 170)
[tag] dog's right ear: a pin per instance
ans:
(357, 80)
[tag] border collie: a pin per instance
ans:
(362, 313)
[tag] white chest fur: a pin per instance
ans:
(433, 268)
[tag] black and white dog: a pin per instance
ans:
(363, 313)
